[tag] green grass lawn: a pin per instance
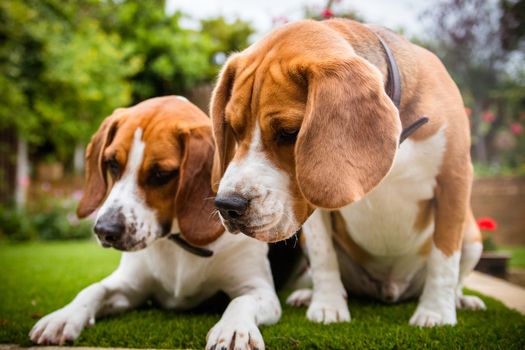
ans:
(518, 256)
(37, 278)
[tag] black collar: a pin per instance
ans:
(393, 89)
(199, 251)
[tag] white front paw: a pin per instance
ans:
(236, 335)
(430, 317)
(470, 302)
(328, 308)
(61, 326)
(300, 297)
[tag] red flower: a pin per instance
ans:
(488, 117)
(468, 111)
(516, 128)
(327, 13)
(487, 224)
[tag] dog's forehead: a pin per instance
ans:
(264, 97)
(159, 133)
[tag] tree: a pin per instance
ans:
(477, 41)
(225, 38)
(174, 58)
(61, 72)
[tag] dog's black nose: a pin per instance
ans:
(231, 206)
(109, 231)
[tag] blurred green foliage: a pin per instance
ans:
(482, 45)
(65, 65)
(49, 220)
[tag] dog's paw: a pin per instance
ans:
(59, 327)
(237, 335)
(300, 297)
(426, 317)
(328, 308)
(470, 302)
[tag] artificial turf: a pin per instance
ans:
(36, 278)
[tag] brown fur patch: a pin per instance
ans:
(425, 249)
(344, 239)
(425, 215)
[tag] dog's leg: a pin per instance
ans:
(328, 302)
(470, 253)
(247, 279)
(120, 291)
(437, 304)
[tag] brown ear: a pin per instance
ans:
(194, 200)
(349, 137)
(224, 141)
(95, 183)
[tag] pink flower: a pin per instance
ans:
(488, 117)
(468, 111)
(516, 128)
(487, 224)
(77, 195)
(327, 13)
(24, 181)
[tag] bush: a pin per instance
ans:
(53, 221)
(15, 225)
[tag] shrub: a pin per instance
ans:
(53, 221)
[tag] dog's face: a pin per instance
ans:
(300, 122)
(147, 166)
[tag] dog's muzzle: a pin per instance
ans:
(232, 208)
(110, 228)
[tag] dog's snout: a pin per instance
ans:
(231, 206)
(109, 231)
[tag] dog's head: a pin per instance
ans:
(300, 121)
(147, 166)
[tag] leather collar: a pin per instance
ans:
(393, 89)
(181, 242)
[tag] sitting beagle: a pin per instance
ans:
(158, 157)
(308, 131)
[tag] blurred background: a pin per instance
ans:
(66, 65)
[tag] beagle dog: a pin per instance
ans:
(307, 134)
(148, 172)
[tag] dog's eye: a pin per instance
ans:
(287, 136)
(161, 177)
(114, 167)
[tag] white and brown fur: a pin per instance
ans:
(400, 216)
(167, 137)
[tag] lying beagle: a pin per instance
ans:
(307, 133)
(158, 157)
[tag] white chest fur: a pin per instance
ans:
(383, 221)
(179, 279)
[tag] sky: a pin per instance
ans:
(390, 13)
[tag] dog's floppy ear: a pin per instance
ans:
(95, 182)
(349, 136)
(224, 141)
(194, 199)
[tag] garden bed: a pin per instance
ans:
(39, 277)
